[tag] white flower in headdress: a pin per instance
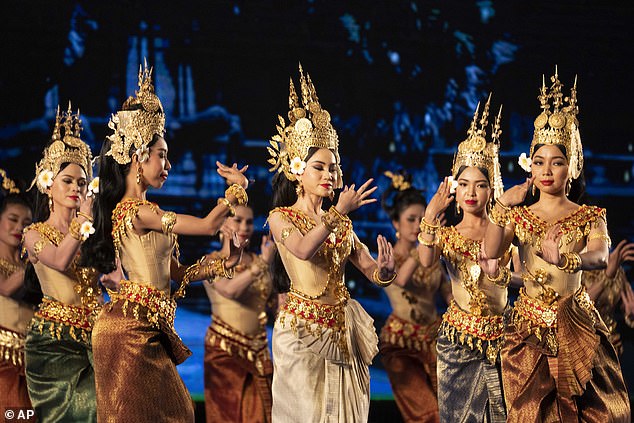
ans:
(45, 179)
(143, 153)
(303, 127)
(86, 229)
(93, 187)
(525, 162)
(297, 166)
(453, 184)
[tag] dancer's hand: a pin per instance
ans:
(550, 246)
(85, 205)
(235, 247)
(623, 252)
(268, 249)
(385, 260)
(114, 278)
(516, 195)
(439, 202)
(232, 174)
(488, 265)
(351, 199)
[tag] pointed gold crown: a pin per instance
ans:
(139, 119)
(475, 151)
(559, 126)
(8, 184)
(309, 126)
(66, 147)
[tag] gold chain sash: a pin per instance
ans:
(158, 305)
(404, 334)
(59, 316)
(12, 347)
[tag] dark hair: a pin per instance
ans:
(577, 192)
(284, 195)
(395, 201)
(20, 199)
(98, 250)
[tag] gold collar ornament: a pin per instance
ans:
(476, 151)
(559, 126)
(309, 126)
(139, 119)
(66, 147)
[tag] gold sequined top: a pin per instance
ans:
(246, 313)
(14, 315)
(472, 290)
(320, 278)
(76, 285)
(544, 280)
(146, 258)
(416, 301)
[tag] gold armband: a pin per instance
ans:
(377, 280)
(600, 235)
(168, 220)
(85, 216)
(426, 243)
(224, 201)
(503, 278)
(73, 229)
(428, 228)
(499, 217)
(239, 193)
(572, 262)
(39, 246)
(332, 219)
(286, 232)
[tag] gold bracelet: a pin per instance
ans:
(572, 262)
(428, 228)
(503, 278)
(379, 281)
(499, 218)
(239, 193)
(426, 243)
(73, 229)
(332, 219)
(168, 220)
(505, 208)
(216, 268)
(232, 211)
(84, 215)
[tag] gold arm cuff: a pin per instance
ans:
(239, 193)
(502, 279)
(499, 217)
(168, 220)
(428, 228)
(286, 232)
(85, 216)
(226, 203)
(602, 236)
(332, 219)
(572, 262)
(425, 242)
(377, 280)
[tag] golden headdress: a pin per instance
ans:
(399, 181)
(477, 152)
(309, 126)
(8, 184)
(66, 147)
(559, 126)
(139, 119)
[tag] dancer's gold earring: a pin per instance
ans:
(457, 208)
(533, 190)
(51, 206)
(398, 235)
(139, 173)
(568, 187)
(299, 190)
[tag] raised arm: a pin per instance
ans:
(380, 271)
(428, 252)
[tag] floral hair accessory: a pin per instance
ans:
(93, 187)
(297, 166)
(525, 162)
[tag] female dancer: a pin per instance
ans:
(59, 362)
(15, 215)
(238, 368)
(323, 340)
(557, 362)
(470, 336)
(408, 339)
(135, 346)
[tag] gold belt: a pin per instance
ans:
(476, 332)
(12, 347)
(158, 304)
(397, 331)
(59, 316)
(233, 342)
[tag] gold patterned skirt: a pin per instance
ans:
(317, 377)
(135, 350)
(558, 364)
(13, 390)
(408, 353)
(238, 375)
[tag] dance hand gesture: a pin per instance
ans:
(235, 248)
(439, 202)
(85, 204)
(550, 245)
(622, 253)
(516, 195)
(385, 260)
(268, 249)
(351, 199)
(232, 174)
(488, 265)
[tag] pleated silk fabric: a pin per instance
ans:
(313, 381)
(582, 381)
(136, 379)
